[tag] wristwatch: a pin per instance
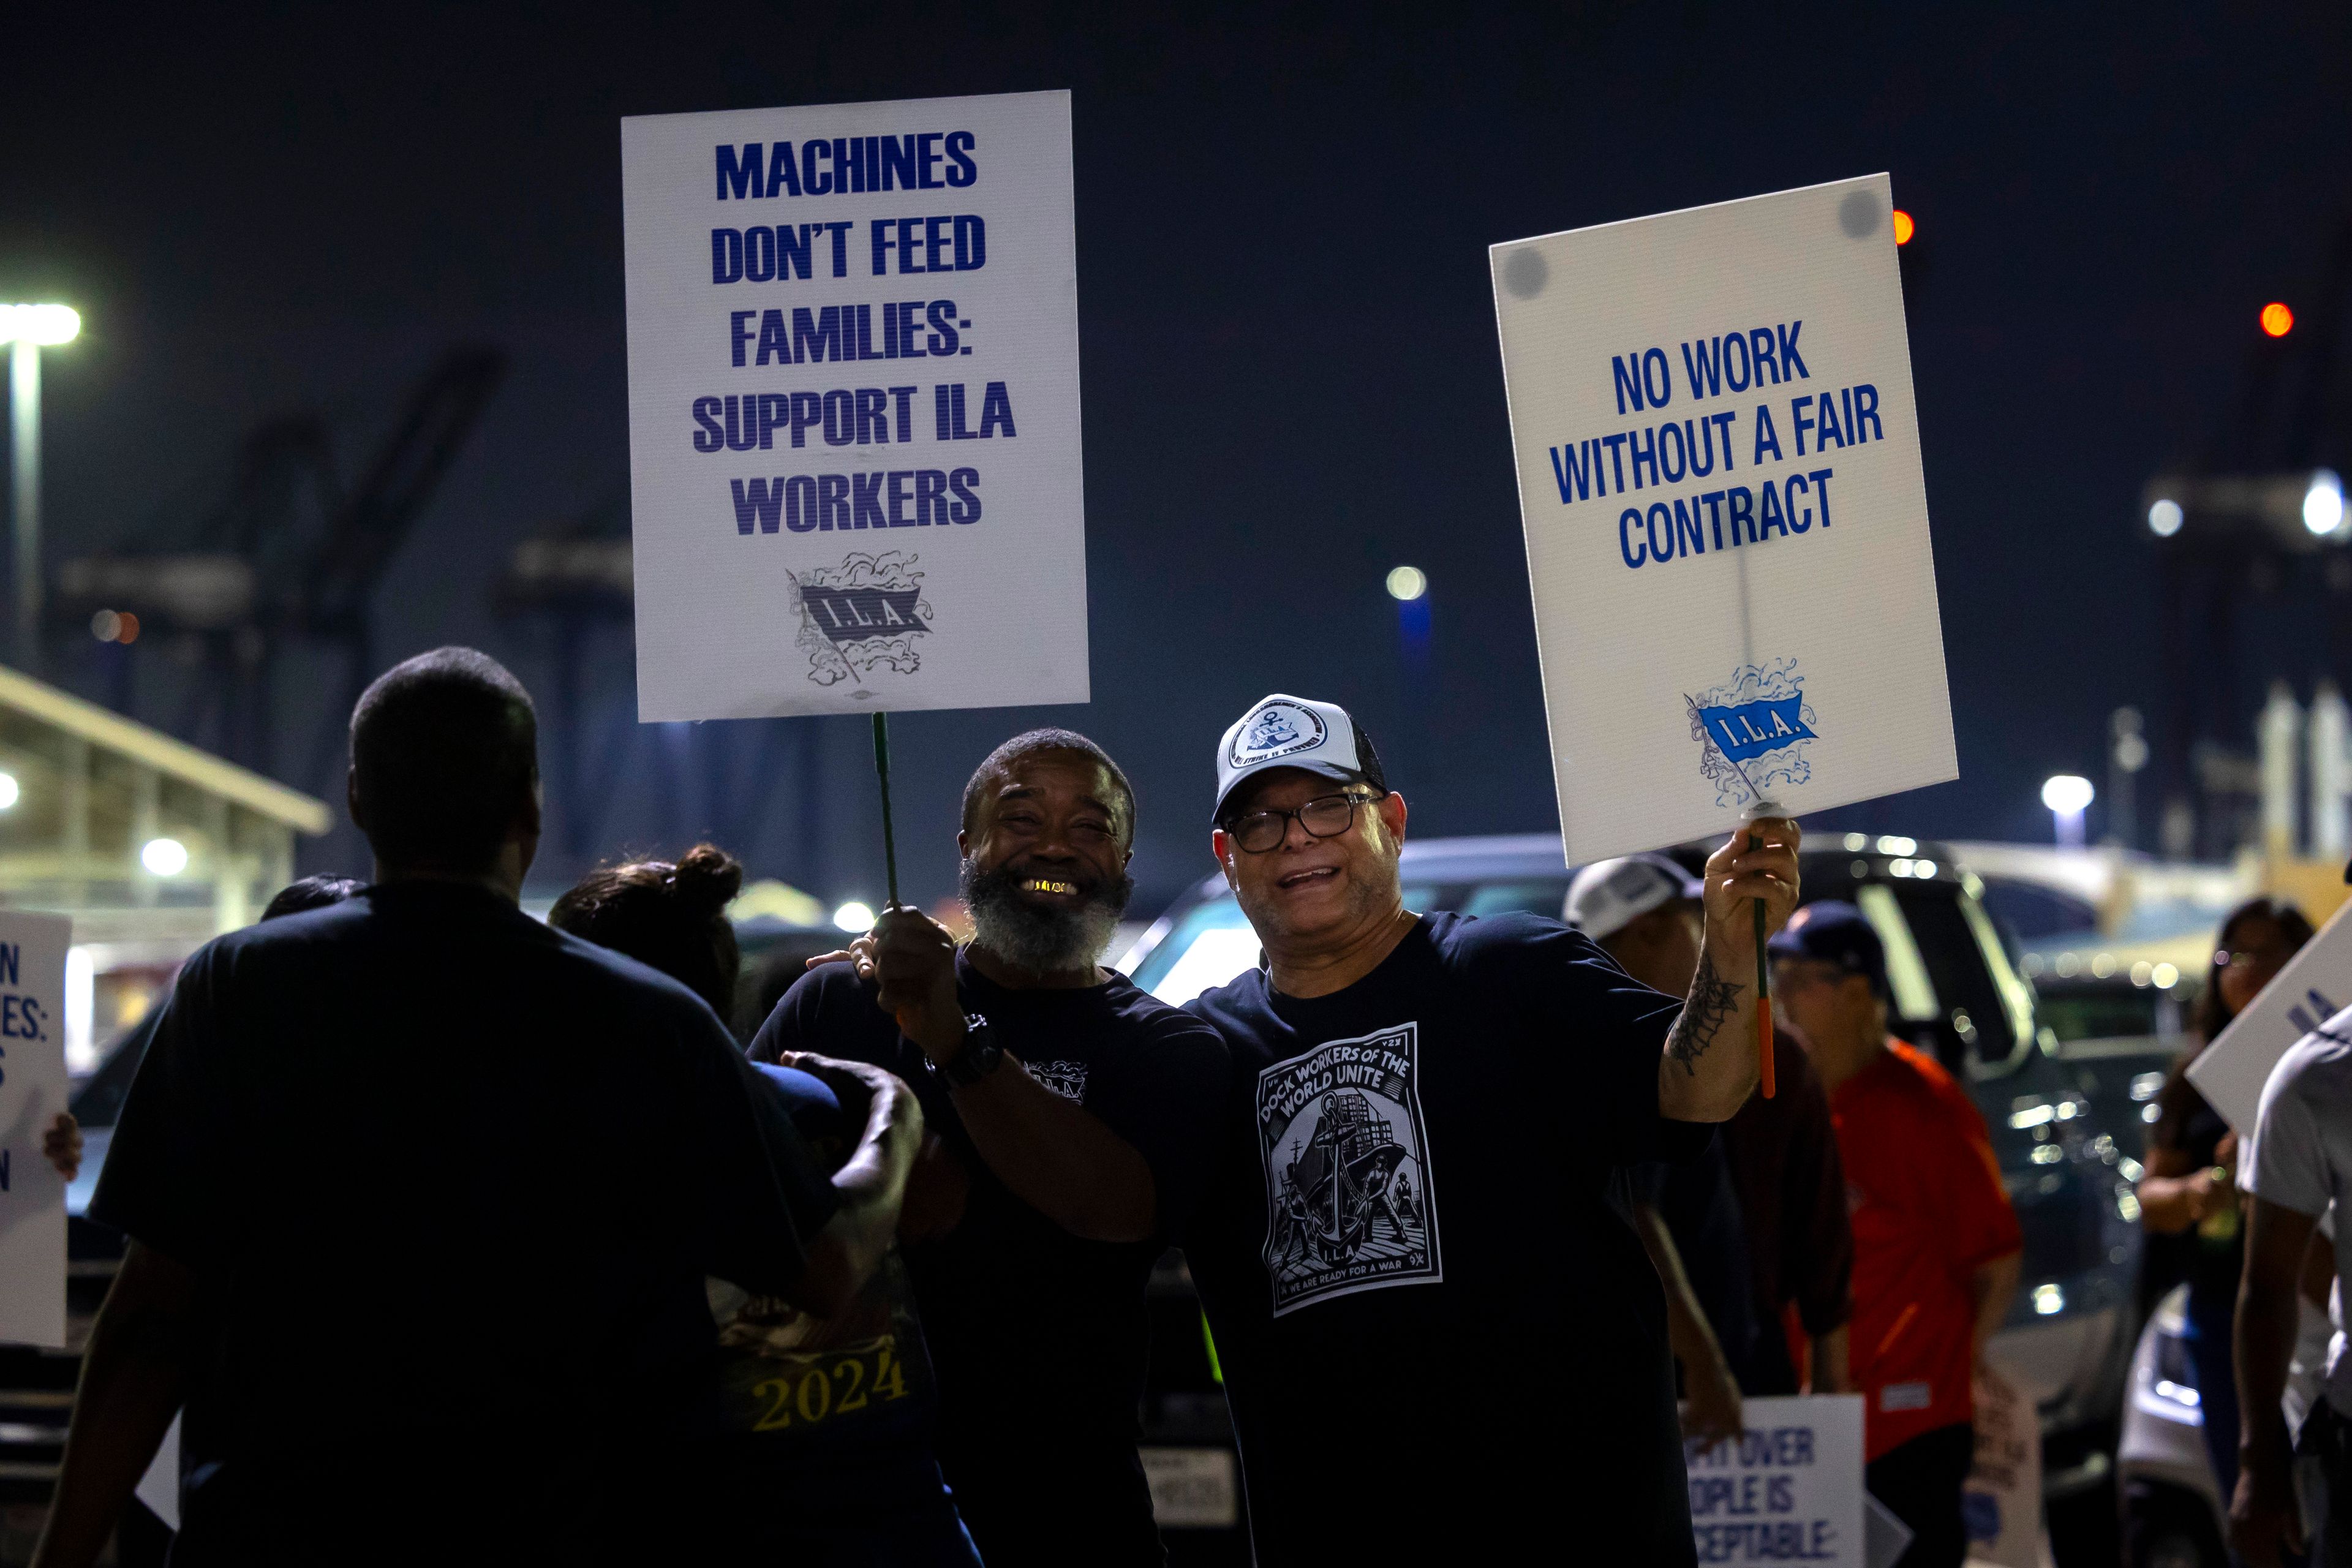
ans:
(981, 1055)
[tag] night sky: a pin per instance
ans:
(1290, 372)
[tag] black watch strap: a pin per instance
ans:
(981, 1055)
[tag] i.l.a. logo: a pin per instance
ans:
(861, 616)
(1754, 732)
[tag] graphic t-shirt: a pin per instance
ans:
(1928, 1210)
(1037, 1336)
(830, 1420)
(1436, 1328)
(455, 1181)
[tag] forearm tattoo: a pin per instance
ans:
(1713, 1001)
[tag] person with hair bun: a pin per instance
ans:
(667, 916)
(828, 1453)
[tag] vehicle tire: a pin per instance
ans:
(2165, 1527)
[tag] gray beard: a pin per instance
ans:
(1041, 941)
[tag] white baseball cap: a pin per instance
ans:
(1610, 895)
(1281, 731)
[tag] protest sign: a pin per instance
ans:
(159, 1489)
(2002, 1500)
(854, 447)
(1727, 526)
(1790, 1487)
(32, 1091)
(2315, 984)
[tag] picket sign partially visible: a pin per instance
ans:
(1726, 522)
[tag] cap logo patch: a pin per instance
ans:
(1276, 730)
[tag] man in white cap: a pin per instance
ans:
(1435, 1329)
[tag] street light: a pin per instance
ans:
(2067, 796)
(30, 329)
(2323, 504)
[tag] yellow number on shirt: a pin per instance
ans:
(823, 1387)
(869, 1372)
(856, 1398)
(777, 1414)
(890, 1378)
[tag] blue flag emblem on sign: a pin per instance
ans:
(1752, 729)
(853, 614)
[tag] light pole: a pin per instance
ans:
(29, 328)
(2067, 796)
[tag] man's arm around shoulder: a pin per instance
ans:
(134, 1375)
(868, 1188)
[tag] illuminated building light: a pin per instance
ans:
(2323, 504)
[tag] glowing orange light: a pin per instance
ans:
(130, 630)
(2277, 319)
(1904, 226)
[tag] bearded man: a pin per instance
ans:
(1075, 1120)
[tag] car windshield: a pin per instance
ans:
(1213, 942)
(1954, 986)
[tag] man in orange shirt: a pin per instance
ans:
(1936, 1243)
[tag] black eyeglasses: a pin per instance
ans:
(1325, 816)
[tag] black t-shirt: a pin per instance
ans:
(1038, 1336)
(1701, 1209)
(451, 1183)
(1438, 1333)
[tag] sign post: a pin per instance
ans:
(33, 1087)
(854, 445)
(1726, 525)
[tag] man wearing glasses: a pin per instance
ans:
(1435, 1329)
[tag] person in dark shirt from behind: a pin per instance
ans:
(1077, 1119)
(372, 1144)
(826, 1455)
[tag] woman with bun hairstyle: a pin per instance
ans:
(826, 1423)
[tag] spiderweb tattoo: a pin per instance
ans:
(1713, 1001)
